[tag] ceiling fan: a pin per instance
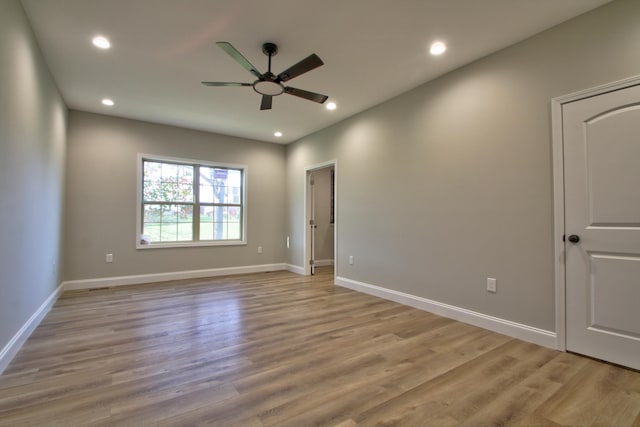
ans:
(269, 85)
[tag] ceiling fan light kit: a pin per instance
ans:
(268, 84)
(266, 87)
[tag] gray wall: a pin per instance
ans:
(33, 125)
(324, 233)
(101, 197)
(451, 183)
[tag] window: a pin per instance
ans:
(187, 203)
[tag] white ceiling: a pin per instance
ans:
(373, 50)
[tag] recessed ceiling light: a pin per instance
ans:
(101, 42)
(438, 48)
(108, 102)
(331, 106)
(278, 134)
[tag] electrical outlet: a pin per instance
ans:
(350, 259)
(492, 285)
(259, 249)
(109, 258)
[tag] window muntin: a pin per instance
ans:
(191, 203)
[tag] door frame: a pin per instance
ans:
(307, 214)
(558, 195)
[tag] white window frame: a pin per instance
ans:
(152, 157)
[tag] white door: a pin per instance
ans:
(601, 137)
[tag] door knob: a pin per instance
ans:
(574, 238)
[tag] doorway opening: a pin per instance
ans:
(321, 217)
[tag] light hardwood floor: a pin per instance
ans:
(287, 350)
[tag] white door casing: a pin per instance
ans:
(601, 151)
(312, 222)
(308, 212)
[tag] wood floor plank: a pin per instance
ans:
(279, 349)
(594, 394)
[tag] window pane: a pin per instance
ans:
(152, 191)
(152, 229)
(168, 222)
(234, 194)
(227, 194)
(185, 213)
(206, 213)
(185, 193)
(233, 230)
(152, 171)
(206, 220)
(206, 174)
(152, 213)
(167, 182)
(220, 223)
(169, 214)
(206, 231)
(219, 215)
(185, 174)
(185, 183)
(219, 185)
(235, 213)
(168, 232)
(206, 193)
(219, 231)
(185, 231)
(234, 223)
(170, 172)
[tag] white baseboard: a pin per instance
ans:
(295, 269)
(323, 262)
(163, 277)
(506, 327)
(13, 346)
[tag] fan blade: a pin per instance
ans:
(311, 96)
(307, 64)
(225, 84)
(239, 58)
(266, 102)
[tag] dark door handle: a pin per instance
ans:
(574, 238)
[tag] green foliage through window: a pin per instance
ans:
(172, 192)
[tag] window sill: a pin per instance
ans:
(191, 244)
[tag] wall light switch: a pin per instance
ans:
(492, 285)
(350, 259)
(259, 249)
(109, 258)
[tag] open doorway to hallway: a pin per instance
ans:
(320, 247)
